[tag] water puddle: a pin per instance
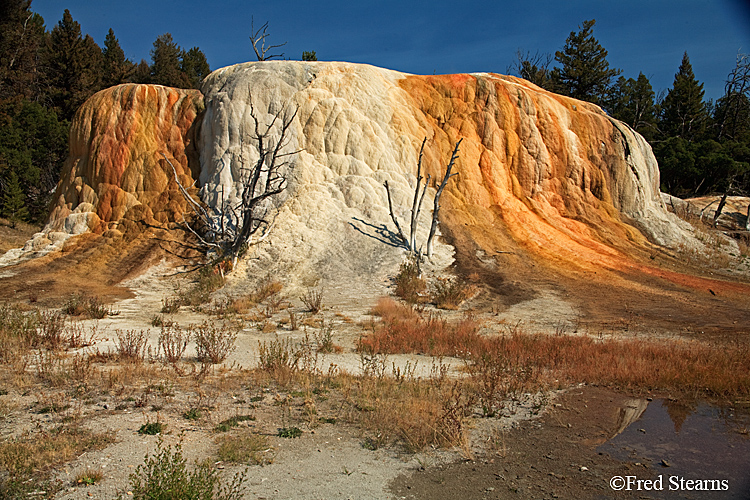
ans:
(679, 443)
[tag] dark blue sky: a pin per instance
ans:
(646, 36)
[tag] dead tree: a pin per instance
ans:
(717, 214)
(411, 242)
(230, 228)
(258, 39)
(439, 192)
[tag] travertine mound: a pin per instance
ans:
(538, 173)
(116, 174)
(545, 173)
(116, 145)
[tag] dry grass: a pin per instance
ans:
(534, 359)
(449, 293)
(245, 448)
(413, 412)
(403, 330)
(39, 452)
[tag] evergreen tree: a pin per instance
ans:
(21, 36)
(117, 69)
(194, 66)
(632, 101)
(75, 66)
(585, 73)
(14, 207)
(33, 144)
(166, 63)
(141, 73)
(683, 112)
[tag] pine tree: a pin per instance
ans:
(14, 207)
(141, 73)
(33, 143)
(117, 69)
(585, 73)
(683, 112)
(74, 67)
(194, 66)
(632, 101)
(22, 35)
(165, 67)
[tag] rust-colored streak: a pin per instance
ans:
(116, 146)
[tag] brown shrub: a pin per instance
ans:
(402, 330)
(213, 344)
(131, 345)
(410, 285)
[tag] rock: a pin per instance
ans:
(538, 172)
(554, 175)
(117, 139)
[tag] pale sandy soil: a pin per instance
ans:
(327, 461)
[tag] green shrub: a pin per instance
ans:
(151, 428)
(227, 424)
(79, 304)
(165, 476)
(290, 432)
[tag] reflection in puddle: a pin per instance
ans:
(696, 441)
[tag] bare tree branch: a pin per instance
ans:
(436, 208)
(393, 217)
(258, 39)
(229, 227)
(411, 242)
(417, 204)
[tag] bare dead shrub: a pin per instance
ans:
(131, 344)
(313, 300)
(214, 344)
(173, 341)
